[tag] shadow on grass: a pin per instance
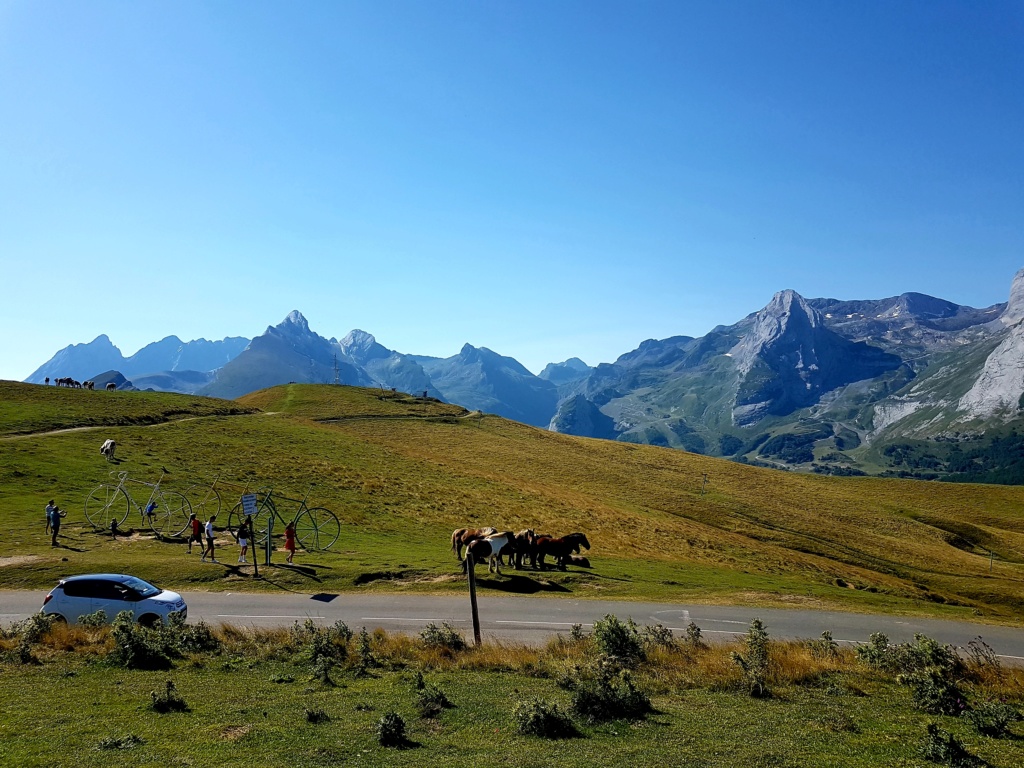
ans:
(520, 585)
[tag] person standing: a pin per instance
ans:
(289, 540)
(49, 514)
(244, 534)
(209, 540)
(55, 517)
(195, 533)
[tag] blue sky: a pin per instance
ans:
(546, 179)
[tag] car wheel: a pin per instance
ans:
(57, 618)
(150, 620)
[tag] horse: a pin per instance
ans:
(108, 448)
(461, 537)
(487, 548)
(523, 543)
(560, 548)
(111, 386)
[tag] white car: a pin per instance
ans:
(78, 596)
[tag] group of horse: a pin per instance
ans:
(67, 381)
(491, 545)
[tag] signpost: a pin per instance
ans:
(471, 570)
(249, 510)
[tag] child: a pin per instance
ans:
(196, 534)
(289, 540)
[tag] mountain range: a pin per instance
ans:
(910, 385)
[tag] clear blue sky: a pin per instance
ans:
(546, 179)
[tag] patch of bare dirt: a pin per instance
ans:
(235, 732)
(7, 562)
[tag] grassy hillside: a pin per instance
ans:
(401, 473)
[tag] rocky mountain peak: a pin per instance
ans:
(362, 346)
(1014, 311)
(295, 321)
(786, 315)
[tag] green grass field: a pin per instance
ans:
(402, 473)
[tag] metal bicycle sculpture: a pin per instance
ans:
(165, 512)
(316, 528)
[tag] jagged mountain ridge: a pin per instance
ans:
(847, 377)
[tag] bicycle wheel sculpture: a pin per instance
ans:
(204, 501)
(170, 518)
(261, 521)
(317, 528)
(105, 503)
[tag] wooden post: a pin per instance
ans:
(471, 570)
(702, 485)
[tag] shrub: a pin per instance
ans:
(367, 660)
(576, 634)
(933, 692)
(824, 647)
(431, 701)
(606, 695)
(390, 730)
(168, 701)
(693, 636)
(538, 718)
(755, 664)
(445, 637)
(942, 747)
(316, 716)
(97, 619)
(993, 718)
(128, 741)
(137, 647)
(619, 642)
(197, 638)
(656, 635)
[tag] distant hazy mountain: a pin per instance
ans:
(286, 352)
(386, 367)
(80, 361)
(85, 361)
(480, 379)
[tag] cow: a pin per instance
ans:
(108, 448)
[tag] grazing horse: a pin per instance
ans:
(108, 448)
(487, 548)
(463, 536)
(111, 386)
(560, 548)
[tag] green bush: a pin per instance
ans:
(137, 647)
(824, 647)
(316, 716)
(431, 701)
(196, 638)
(943, 747)
(620, 642)
(755, 663)
(169, 700)
(97, 619)
(606, 694)
(993, 718)
(445, 636)
(539, 718)
(390, 730)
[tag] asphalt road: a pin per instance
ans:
(534, 620)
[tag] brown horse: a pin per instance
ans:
(463, 536)
(560, 548)
(523, 544)
(487, 548)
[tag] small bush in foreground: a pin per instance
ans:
(128, 741)
(391, 730)
(316, 716)
(755, 663)
(97, 619)
(824, 647)
(168, 701)
(137, 647)
(539, 718)
(619, 641)
(606, 695)
(431, 701)
(993, 718)
(943, 747)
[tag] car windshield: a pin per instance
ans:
(144, 588)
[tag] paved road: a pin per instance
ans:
(534, 620)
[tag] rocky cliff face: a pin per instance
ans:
(999, 389)
(789, 359)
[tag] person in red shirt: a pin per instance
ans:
(289, 540)
(197, 532)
